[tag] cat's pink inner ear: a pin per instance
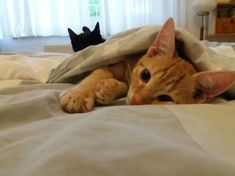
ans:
(165, 40)
(212, 83)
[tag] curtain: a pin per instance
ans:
(120, 15)
(22, 18)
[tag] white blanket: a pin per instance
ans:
(37, 138)
(123, 140)
(16, 67)
(138, 41)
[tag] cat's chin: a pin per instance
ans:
(135, 100)
(162, 103)
(155, 100)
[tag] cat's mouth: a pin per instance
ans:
(134, 99)
(162, 99)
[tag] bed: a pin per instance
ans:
(38, 138)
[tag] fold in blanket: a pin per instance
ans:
(136, 41)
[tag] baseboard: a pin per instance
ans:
(58, 48)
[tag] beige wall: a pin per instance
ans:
(194, 21)
(224, 1)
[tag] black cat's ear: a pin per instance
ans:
(71, 33)
(97, 28)
(85, 29)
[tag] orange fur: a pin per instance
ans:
(158, 77)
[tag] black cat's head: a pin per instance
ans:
(86, 38)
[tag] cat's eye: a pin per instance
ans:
(164, 98)
(145, 75)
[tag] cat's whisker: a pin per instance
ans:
(129, 72)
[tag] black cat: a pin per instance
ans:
(86, 38)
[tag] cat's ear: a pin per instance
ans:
(165, 40)
(97, 28)
(71, 33)
(212, 83)
(86, 29)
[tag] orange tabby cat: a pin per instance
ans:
(158, 77)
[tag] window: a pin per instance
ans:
(94, 11)
(21, 18)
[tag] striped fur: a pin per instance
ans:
(158, 77)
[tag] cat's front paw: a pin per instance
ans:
(73, 101)
(107, 90)
(104, 92)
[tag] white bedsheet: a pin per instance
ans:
(150, 140)
(224, 50)
(37, 138)
(16, 67)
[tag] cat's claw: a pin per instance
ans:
(73, 101)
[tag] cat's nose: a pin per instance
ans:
(135, 100)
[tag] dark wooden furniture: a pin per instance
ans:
(225, 23)
(225, 20)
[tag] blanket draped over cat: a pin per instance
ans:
(135, 41)
(157, 76)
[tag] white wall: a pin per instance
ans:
(36, 44)
(31, 44)
(194, 21)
